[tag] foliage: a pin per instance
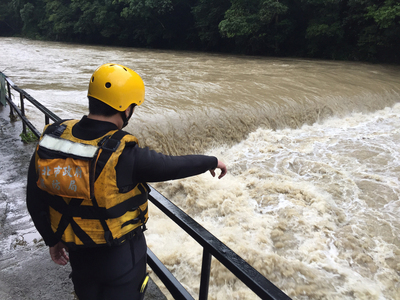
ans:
(10, 20)
(207, 17)
(334, 29)
(256, 25)
(28, 137)
(385, 16)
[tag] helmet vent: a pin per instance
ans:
(92, 78)
(126, 70)
(108, 85)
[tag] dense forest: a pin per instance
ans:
(367, 30)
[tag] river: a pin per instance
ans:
(312, 147)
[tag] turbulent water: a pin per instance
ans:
(312, 147)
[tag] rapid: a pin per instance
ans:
(311, 199)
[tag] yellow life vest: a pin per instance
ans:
(88, 209)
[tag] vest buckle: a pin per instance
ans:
(109, 144)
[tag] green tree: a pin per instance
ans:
(10, 19)
(386, 31)
(207, 16)
(158, 23)
(58, 20)
(32, 16)
(373, 29)
(98, 20)
(256, 25)
(324, 33)
(386, 15)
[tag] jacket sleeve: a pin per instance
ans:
(37, 204)
(151, 166)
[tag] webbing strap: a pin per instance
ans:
(59, 131)
(81, 234)
(108, 145)
(140, 218)
(127, 236)
(130, 204)
(107, 233)
(96, 212)
(66, 219)
(84, 212)
(56, 126)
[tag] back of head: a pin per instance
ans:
(99, 108)
(116, 86)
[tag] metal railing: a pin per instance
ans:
(8, 85)
(212, 247)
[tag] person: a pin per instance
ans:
(87, 189)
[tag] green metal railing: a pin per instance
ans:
(212, 247)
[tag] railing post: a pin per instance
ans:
(3, 89)
(21, 97)
(205, 275)
(9, 98)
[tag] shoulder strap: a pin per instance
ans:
(108, 144)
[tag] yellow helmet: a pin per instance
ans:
(116, 86)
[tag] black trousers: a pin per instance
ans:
(113, 273)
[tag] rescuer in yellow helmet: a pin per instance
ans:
(87, 189)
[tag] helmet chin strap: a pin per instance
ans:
(126, 119)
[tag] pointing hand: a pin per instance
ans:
(221, 166)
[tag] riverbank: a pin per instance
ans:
(26, 270)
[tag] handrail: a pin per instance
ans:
(212, 247)
(21, 112)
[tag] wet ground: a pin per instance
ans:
(26, 270)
